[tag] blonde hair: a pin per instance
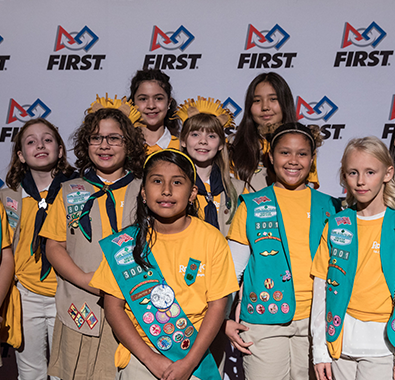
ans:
(376, 148)
(211, 123)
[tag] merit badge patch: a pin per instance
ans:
(13, 218)
(261, 200)
(266, 211)
(91, 320)
(125, 256)
(12, 203)
(341, 236)
(343, 220)
(78, 197)
(119, 240)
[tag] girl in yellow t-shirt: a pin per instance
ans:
(273, 238)
(151, 93)
(37, 169)
(203, 139)
(196, 271)
(110, 155)
(268, 103)
(351, 267)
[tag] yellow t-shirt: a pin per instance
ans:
(203, 202)
(56, 224)
(216, 276)
(370, 298)
(27, 266)
(295, 209)
(5, 229)
(174, 144)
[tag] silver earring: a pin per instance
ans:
(144, 201)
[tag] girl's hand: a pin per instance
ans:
(323, 371)
(179, 370)
(158, 364)
(232, 330)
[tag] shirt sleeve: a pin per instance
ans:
(5, 229)
(321, 259)
(238, 228)
(55, 225)
(317, 320)
(104, 280)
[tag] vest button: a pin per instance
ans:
(226, 211)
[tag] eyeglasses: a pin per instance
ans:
(114, 140)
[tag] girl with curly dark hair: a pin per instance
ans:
(151, 93)
(110, 154)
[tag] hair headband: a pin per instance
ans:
(202, 105)
(293, 128)
(174, 151)
(127, 108)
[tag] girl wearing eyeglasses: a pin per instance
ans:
(110, 155)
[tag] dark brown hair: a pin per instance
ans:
(133, 140)
(17, 169)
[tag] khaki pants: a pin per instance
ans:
(136, 370)
(363, 368)
(279, 352)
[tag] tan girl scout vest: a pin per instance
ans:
(79, 309)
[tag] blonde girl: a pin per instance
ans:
(353, 331)
(37, 169)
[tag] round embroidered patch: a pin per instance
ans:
(253, 297)
(164, 343)
(185, 344)
(329, 317)
(155, 330)
(331, 330)
(162, 296)
(178, 336)
(250, 308)
(269, 283)
(181, 323)
(148, 317)
(393, 325)
(193, 267)
(174, 311)
(285, 308)
(260, 309)
(273, 308)
(189, 331)
(162, 317)
(168, 328)
(277, 296)
(336, 320)
(264, 296)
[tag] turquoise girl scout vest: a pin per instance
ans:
(153, 302)
(268, 294)
(343, 250)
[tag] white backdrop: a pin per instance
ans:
(337, 57)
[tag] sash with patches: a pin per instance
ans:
(269, 294)
(153, 302)
(343, 249)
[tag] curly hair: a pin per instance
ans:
(377, 149)
(311, 132)
(133, 140)
(17, 169)
(164, 81)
